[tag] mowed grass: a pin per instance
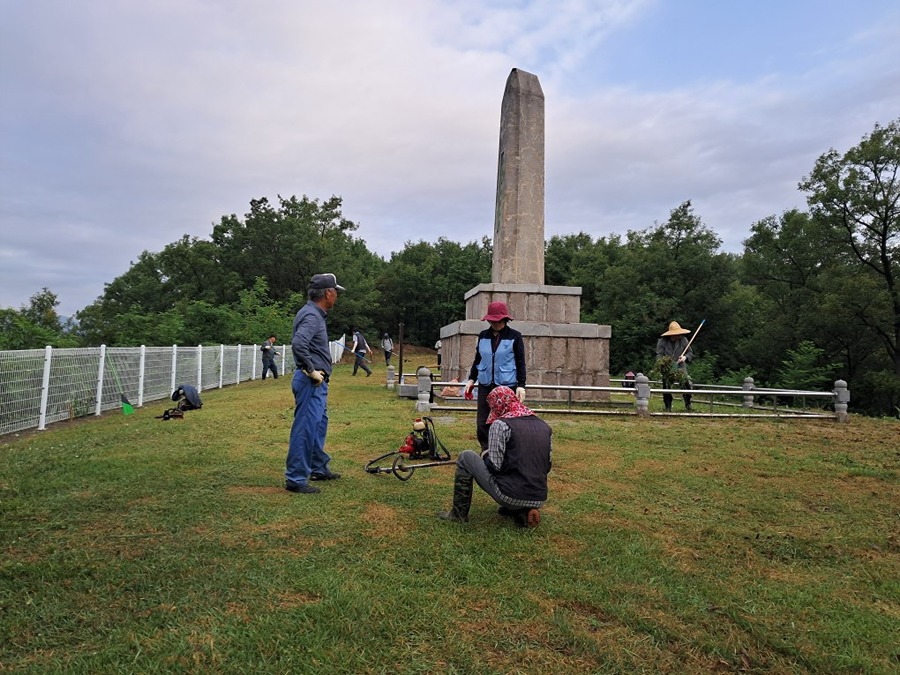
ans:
(131, 544)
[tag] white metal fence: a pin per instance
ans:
(42, 386)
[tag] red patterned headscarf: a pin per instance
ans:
(505, 404)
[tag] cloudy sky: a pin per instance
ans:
(125, 124)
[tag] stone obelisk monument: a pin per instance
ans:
(558, 349)
(519, 216)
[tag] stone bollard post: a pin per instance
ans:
(423, 404)
(642, 394)
(390, 377)
(842, 398)
(748, 386)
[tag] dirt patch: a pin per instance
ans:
(297, 599)
(256, 490)
(383, 522)
(566, 547)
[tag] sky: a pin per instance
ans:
(126, 124)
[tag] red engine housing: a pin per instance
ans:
(409, 445)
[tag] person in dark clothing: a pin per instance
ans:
(513, 470)
(268, 357)
(499, 360)
(388, 346)
(360, 349)
(306, 457)
(187, 397)
(675, 345)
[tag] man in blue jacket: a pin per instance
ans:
(499, 360)
(306, 458)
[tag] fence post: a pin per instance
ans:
(283, 358)
(45, 387)
(199, 367)
(642, 394)
(842, 398)
(253, 369)
(237, 375)
(99, 395)
(174, 367)
(140, 400)
(390, 377)
(748, 386)
(221, 364)
(423, 404)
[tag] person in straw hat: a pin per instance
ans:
(499, 360)
(675, 344)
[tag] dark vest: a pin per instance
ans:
(527, 459)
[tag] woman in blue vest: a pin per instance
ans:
(499, 361)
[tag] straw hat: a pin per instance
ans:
(675, 329)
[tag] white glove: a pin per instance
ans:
(520, 394)
(470, 385)
(317, 376)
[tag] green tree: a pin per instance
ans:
(35, 325)
(805, 369)
(194, 285)
(671, 271)
(785, 260)
(424, 286)
(856, 197)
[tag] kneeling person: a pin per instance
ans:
(187, 397)
(513, 470)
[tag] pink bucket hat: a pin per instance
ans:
(497, 311)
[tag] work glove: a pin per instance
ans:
(520, 394)
(317, 376)
(470, 385)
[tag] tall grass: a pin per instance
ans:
(132, 544)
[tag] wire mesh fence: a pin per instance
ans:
(42, 386)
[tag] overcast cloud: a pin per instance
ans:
(126, 124)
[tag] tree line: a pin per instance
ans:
(813, 297)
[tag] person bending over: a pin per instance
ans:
(513, 470)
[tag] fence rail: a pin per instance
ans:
(641, 391)
(42, 386)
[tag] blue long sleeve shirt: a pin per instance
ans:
(309, 343)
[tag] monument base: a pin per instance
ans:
(558, 349)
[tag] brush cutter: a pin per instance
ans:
(421, 443)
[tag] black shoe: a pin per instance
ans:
(527, 517)
(506, 512)
(331, 475)
(452, 516)
(302, 489)
(369, 374)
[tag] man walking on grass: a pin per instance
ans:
(268, 357)
(306, 458)
(360, 349)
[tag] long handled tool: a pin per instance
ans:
(422, 443)
(127, 408)
(692, 338)
(353, 352)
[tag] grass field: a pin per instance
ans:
(131, 544)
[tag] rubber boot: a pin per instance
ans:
(462, 500)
